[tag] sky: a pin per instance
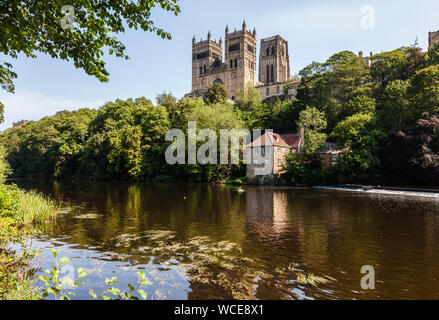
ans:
(314, 29)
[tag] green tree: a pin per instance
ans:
(424, 91)
(313, 122)
(360, 135)
(216, 93)
(332, 86)
(126, 141)
(166, 100)
(395, 109)
(34, 26)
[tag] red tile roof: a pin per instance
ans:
(286, 140)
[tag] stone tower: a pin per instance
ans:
(274, 60)
(238, 69)
(240, 59)
(433, 37)
(204, 55)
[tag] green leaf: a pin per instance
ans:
(92, 294)
(114, 291)
(142, 294)
(64, 260)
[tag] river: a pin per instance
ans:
(215, 242)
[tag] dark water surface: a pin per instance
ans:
(216, 242)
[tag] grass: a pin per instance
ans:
(238, 181)
(21, 212)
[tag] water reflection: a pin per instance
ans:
(204, 241)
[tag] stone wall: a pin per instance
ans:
(433, 37)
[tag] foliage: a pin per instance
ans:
(414, 152)
(35, 26)
(216, 93)
(56, 286)
(20, 213)
(359, 135)
(304, 168)
(125, 140)
(61, 288)
(312, 121)
(333, 86)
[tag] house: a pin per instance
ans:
(330, 155)
(268, 154)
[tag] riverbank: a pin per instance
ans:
(21, 213)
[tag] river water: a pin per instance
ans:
(215, 242)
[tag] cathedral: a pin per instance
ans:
(240, 65)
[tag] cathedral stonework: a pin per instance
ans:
(274, 60)
(239, 67)
(433, 37)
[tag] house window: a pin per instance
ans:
(233, 98)
(268, 91)
(278, 90)
(335, 158)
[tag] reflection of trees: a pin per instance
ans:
(325, 233)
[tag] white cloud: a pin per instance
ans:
(34, 106)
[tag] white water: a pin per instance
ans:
(368, 190)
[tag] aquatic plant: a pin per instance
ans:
(62, 288)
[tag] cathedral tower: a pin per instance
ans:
(274, 60)
(204, 54)
(240, 59)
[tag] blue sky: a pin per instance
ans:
(314, 29)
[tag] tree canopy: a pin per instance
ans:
(34, 26)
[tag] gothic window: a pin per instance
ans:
(205, 69)
(236, 63)
(201, 70)
(273, 51)
(268, 91)
(268, 51)
(202, 55)
(218, 80)
(250, 48)
(268, 73)
(278, 90)
(231, 63)
(272, 73)
(235, 47)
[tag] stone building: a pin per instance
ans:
(19, 123)
(433, 37)
(239, 67)
(271, 149)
